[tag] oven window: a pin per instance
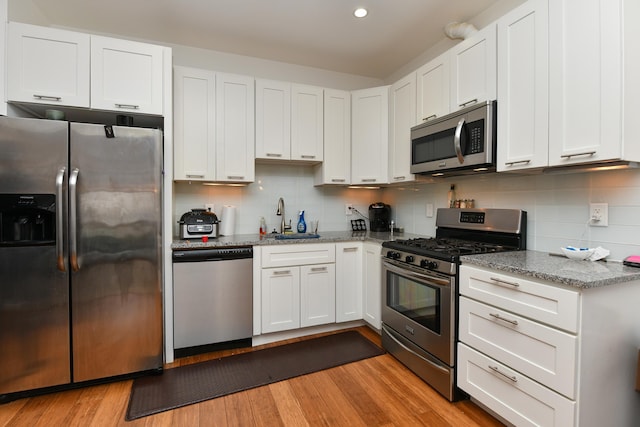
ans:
(415, 300)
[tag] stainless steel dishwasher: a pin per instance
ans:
(212, 299)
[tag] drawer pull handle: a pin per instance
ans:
(397, 178)
(338, 180)
(464, 104)
(319, 269)
(586, 153)
(504, 282)
(47, 98)
(127, 106)
(368, 180)
(509, 377)
(281, 272)
(274, 155)
(349, 249)
(433, 116)
(518, 162)
(195, 176)
(236, 177)
(307, 156)
(497, 316)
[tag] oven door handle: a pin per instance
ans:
(430, 362)
(418, 276)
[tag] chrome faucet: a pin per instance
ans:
(280, 212)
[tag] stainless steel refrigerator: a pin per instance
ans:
(80, 253)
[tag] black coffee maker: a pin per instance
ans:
(379, 217)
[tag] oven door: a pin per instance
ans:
(420, 306)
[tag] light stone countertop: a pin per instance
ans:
(556, 268)
(257, 240)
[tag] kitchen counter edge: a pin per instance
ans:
(556, 269)
(257, 240)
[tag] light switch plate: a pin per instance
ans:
(429, 210)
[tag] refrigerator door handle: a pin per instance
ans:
(60, 220)
(73, 237)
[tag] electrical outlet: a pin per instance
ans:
(599, 214)
(209, 207)
(348, 209)
(429, 211)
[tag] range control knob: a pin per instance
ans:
(409, 258)
(432, 265)
(393, 255)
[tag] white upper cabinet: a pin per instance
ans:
(289, 121)
(213, 126)
(47, 66)
(194, 103)
(523, 88)
(235, 128)
(473, 69)
(307, 123)
(336, 167)
(402, 108)
(370, 135)
(433, 89)
(126, 76)
(593, 78)
(66, 68)
(273, 119)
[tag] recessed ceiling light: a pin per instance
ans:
(360, 12)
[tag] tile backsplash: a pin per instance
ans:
(557, 205)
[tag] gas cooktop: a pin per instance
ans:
(446, 246)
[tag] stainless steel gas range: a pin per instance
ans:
(420, 287)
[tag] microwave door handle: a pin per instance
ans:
(456, 140)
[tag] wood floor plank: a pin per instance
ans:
(238, 410)
(344, 413)
(287, 404)
(263, 407)
(213, 413)
(367, 407)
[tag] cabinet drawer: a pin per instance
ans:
(303, 254)
(548, 304)
(545, 354)
(511, 395)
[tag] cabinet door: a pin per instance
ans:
(306, 123)
(235, 138)
(585, 81)
(402, 118)
(523, 88)
(194, 120)
(273, 119)
(336, 165)
(370, 135)
(317, 294)
(372, 286)
(473, 69)
(126, 76)
(47, 66)
(348, 281)
(280, 299)
(433, 82)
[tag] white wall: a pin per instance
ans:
(557, 206)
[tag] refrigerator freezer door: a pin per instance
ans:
(34, 292)
(116, 290)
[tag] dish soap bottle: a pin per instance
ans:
(302, 225)
(263, 226)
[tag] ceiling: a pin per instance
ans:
(316, 33)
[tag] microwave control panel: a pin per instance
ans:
(476, 137)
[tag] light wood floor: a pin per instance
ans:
(374, 392)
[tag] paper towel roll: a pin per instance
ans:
(228, 220)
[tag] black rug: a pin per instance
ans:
(206, 380)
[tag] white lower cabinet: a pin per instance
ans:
(539, 353)
(298, 285)
(348, 281)
(372, 284)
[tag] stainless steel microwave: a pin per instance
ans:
(458, 143)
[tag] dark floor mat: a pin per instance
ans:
(206, 380)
